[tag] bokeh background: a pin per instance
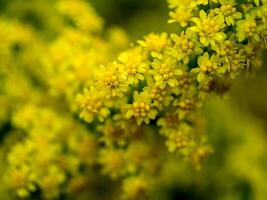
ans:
(237, 123)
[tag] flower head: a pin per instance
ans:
(92, 104)
(182, 15)
(209, 28)
(141, 109)
(112, 80)
(186, 45)
(247, 29)
(133, 64)
(208, 66)
(155, 43)
(160, 97)
(165, 72)
(229, 11)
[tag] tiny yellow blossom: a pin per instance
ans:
(141, 109)
(178, 141)
(229, 11)
(247, 29)
(82, 14)
(186, 45)
(112, 80)
(92, 104)
(160, 97)
(155, 43)
(168, 123)
(165, 72)
(208, 66)
(182, 15)
(135, 187)
(235, 64)
(209, 28)
(113, 162)
(133, 65)
(200, 154)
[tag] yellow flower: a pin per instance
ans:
(185, 104)
(165, 72)
(185, 85)
(141, 109)
(177, 3)
(155, 43)
(235, 64)
(229, 11)
(169, 122)
(251, 53)
(51, 182)
(113, 133)
(190, 3)
(133, 65)
(209, 28)
(262, 12)
(208, 66)
(199, 154)
(92, 103)
(112, 80)
(247, 29)
(81, 13)
(182, 15)
(178, 141)
(160, 97)
(185, 46)
(226, 49)
(137, 154)
(135, 187)
(113, 162)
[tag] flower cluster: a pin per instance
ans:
(84, 105)
(165, 79)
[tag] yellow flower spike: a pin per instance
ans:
(92, 105)
(157, 86)
(141, 109)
